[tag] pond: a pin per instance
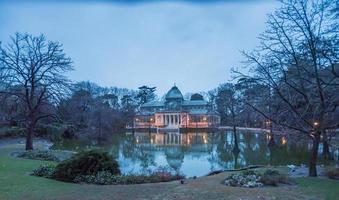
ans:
(198, 153)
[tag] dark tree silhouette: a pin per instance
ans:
(32, 69)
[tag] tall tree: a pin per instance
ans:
(146, 94)
(298, 59)
(32, 69)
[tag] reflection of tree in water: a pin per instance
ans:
(213, 159)
(128, 146)
(175, 157)
(146, 156)
(138, 152)
(218, 147)
(254, 149)
(113, 144)
(291, 153)
(224, 151)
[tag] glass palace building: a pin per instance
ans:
(175, 112)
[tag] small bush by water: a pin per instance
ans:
(86, 163)
(98, 167)
(332, 173)
(106, 178)
(44, 171)
(250, 178)
(273, 177)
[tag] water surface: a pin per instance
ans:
(198, 153)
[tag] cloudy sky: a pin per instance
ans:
(131, 43)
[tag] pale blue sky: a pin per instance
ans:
(129, 45)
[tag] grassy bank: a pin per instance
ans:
(16, 183)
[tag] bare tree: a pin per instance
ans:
(32, 69)
(298, 59)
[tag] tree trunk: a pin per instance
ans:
(326, 149)
(314, 155)
(236, 145)
(29, 136)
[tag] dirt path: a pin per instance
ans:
(38, 142)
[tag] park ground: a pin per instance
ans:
(17, 183)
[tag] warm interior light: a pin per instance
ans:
(268, 137)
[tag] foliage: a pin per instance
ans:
(297, 61)
(44, 171)
(273, 177)
(15, 184)
(38, 155)
(247, 179)
(53, 131)
(12, 131)
(146, 94)
(332, 173)
(250, 178)
(248, 172)
(86, 163)
(106, 178)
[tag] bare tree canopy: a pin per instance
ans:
(32, 69)
(298, 60)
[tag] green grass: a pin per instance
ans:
(16, 183)
(324, 187)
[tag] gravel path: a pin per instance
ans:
(38, 142)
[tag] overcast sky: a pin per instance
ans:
(118, 43)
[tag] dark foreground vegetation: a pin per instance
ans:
(98, 167)
(17, 183)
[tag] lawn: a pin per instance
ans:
(16, 183)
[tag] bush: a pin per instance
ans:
(38, 155)
(248, 172)
(44, 171)
(332, 173)
(247, 179)
(12, 131)
(273, 177)
(55, 131)
(86, 163)
(106, 178)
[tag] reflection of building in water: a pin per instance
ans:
(176, 112)
(171, 138)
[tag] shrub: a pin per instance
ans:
(106, 178)
(332, 173)
(38, 155)
(44, 171)
(248, 172)
(101, 178)
(273, 177)
(12, 131)
(55, 131)
(86, 163)
(247, 179)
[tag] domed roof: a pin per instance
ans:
(174, 93)
(196, 97)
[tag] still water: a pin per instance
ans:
(198, 153)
